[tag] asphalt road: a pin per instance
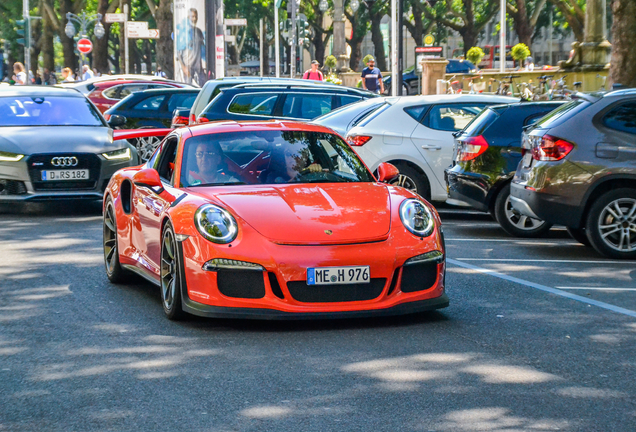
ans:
(540, 336)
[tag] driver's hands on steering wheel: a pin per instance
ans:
(314, 167)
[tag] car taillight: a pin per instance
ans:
(471, 147)
(193, 119)
(107, 117)
(551, 149)
(179, 121)
(358, 140)
(202, 120)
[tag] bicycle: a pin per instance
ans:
(472, 86)
(451, 86)
(505, 87)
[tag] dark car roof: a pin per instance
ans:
(281, 88)
(166, 90)
(528, 104)
(42, 91)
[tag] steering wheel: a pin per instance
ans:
(309, 176)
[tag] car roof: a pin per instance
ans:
(522, 104)
(444, 98)
(258, 125)
(621, 92)
(294, 87)
(111, 83)
(169, 90)
(41, 91)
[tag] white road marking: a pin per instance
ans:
(544, 288)
(596, 288)
(532, 260)
(558, 242)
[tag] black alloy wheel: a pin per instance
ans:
(580, 235)
(611, 224)
(114, 271)
(513, 222)
(412, 180)
(170, 275)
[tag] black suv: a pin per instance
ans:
(579, 170)
(485, 157)
(263, 102)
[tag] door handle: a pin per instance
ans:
(431, 147)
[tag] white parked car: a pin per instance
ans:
(415, 133)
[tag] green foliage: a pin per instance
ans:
(331, 62)
(474, 55)
(520, 52)
(366, 59)
(333, 78)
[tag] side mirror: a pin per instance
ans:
(148, 178)
(116, 121)
(387, 172)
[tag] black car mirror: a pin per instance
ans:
(116, 121)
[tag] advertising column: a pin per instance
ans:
(190, 42)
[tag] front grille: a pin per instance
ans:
(39, 162)
(418, 277)
(12, 187)
(248, 284)
(304, 293)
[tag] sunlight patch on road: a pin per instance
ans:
(502, 374)
(497, 419)
(266, 412)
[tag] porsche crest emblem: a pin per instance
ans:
(328, 232)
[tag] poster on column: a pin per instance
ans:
(190, 42)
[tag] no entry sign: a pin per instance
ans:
(84, 46)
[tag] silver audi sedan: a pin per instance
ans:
(55, 144)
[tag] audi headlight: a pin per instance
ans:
(216, 224)
(10, 157)
(416, 217)
(121, 154)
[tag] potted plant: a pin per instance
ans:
(330, 64)
(520, 52)
(474, 55)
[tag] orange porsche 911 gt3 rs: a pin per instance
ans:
(272, 220)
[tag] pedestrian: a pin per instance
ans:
(19, 75)
(313, 73)
(529, 63)
(372, 78)
(38, 78)
(160, 73)
(67, 75)
(88, 73)
(48, 77)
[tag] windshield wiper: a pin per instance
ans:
(220, 184)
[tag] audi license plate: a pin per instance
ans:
(338, 275)
(55, 175)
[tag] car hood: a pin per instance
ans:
(326, 213)
(57, 139)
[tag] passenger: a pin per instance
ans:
(20, 76)
(67, 75)
(210, 167)
(288, 164)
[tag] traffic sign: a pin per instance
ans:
(137, 29)
(84, 46)
(115, 18)
(236, 22)
(429, 40)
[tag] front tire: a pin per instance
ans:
(170, 275)
(611, 224)
(412, 180)
(514, 223)
(116, 274)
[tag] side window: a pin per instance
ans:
(307, 106)
(166, 159)
(151, 103)
(181, 101)
(346, 100)
(622, 118)
(416, 111)
(253, 103)
(131, 88)
(452, 117)
(111, 93)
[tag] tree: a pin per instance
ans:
(466, 17)
(525, 14)
(378, 10)
(417, 24)
(623, 62)
(359, 29)
(574, 13)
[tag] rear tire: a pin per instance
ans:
(514, 223)
(580, 235)
(170, 275)
(412, 180)
(116, 274)
(611, 224)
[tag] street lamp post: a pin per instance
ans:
(84, 21)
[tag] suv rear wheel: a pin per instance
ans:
(611, 224)
(514, 223)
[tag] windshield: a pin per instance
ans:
(561, 114)
(353, 113)
(47, 111)
(269, 157)
(480, 123)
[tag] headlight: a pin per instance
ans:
(216, 224)
(121, 154)
(10, 157)
(416, 217)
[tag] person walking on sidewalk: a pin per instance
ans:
(313, 73)
(372, 78)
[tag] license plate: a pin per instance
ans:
(527, 159)
(56, 175)
(338, 275)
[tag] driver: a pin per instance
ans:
(210, 167)
(289, 164)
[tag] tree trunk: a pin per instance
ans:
(573, 15)
(46, 44)
(164, 45)
(100, 46)
(359, 27)
(378, 41)
(623, 62)
(68, 44)
(36, 36)
(522, 23)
